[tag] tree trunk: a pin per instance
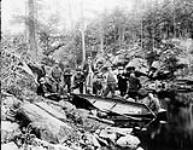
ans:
(32, 39)
(83, 35)
(83, 47)
(121, 33)
(101, 39)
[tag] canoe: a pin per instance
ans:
(114, 106)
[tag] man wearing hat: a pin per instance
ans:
(122, 82)
(152, 102)
(88, 70)
(67, 78)
(97, 83)
(88, 66)
(111, 82)
(134, 86)
(44, 87)
(78, 80)
(56, 75)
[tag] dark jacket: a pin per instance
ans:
(122, 82)
(56, 74)
(86, 68)
(134, 84)
(79, 79)
(67, 76)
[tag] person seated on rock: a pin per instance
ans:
(152, 102)
(78, 80)
(44, 88)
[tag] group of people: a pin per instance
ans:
(91, 80)
(118, 81)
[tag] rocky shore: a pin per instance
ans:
(37, 123)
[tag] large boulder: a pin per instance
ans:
(10, 101)
(140, 148)
(105, 134)
(128, 141)
(10, 105)
(9, 146)
(3, 113)
(9, 131)
(77, 115)
(48, 126)
(52, 110)
(44, 145)
(37, 148)
(139, 64)
(90, 139)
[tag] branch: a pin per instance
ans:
(54, 49)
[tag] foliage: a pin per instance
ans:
(13, 79)
(148, 26)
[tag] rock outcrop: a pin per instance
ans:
(42, 124)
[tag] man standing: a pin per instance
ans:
(56, 75)
(111, 83)
(88, 66)
(122, 83)
(78, 80)
(88, 70)
(67, 78)
(97, 83)
(134, 86)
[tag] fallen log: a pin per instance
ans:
(50, 128)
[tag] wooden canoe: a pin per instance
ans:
(112, 105)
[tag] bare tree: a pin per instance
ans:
(83, 33)
(31, 27)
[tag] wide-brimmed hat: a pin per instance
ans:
(78, 69)
(42, 80)
(120, 67)
(143, 92)
(130, 68)
(99, 62)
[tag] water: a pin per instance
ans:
(176, 134)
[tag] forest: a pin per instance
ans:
(152, 31)
(153, 34)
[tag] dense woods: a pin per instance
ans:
(151, 30)
(148, 25)
(154, 36)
